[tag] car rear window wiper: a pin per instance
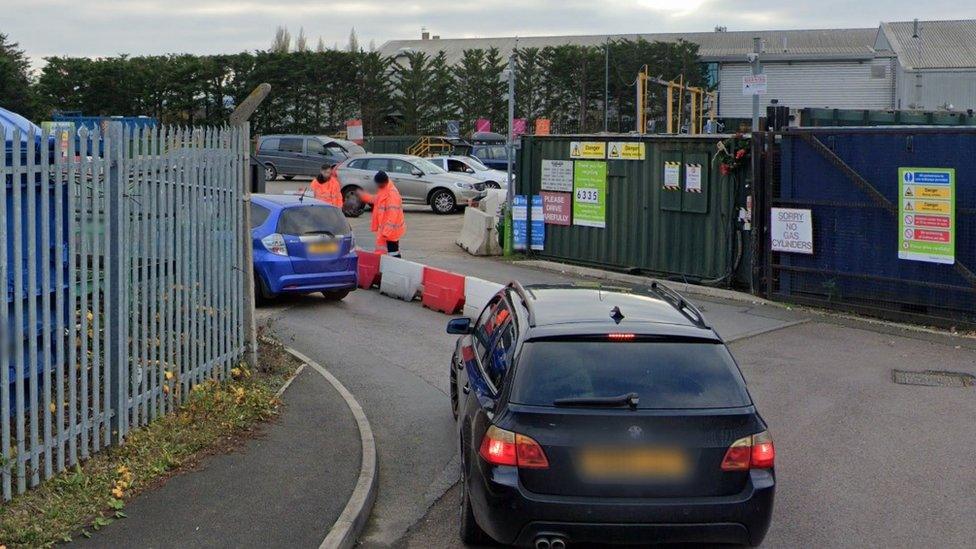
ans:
(327, 233)
(629, 399)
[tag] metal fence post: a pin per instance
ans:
(116, 355)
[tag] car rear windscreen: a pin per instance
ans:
(664, 374)
(313, 220)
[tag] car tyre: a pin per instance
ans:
(262, 296)
(443, 202)
(471, 533)
(351, 205)
(270, 172)
(455, 398)
(335, 295)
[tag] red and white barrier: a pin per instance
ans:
(442, 291)
(477, 293)
(400, 278)
(368, 270)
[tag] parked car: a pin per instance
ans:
(492, 155)
(291, 155)
(493, 179)
(301, 246)
(419, 181)
(596, 415)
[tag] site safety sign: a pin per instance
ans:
(927, 215)
(590, 194)
(629, 150)
(588, 149)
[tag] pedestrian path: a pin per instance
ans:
(284, 488)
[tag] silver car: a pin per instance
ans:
(469, 165)
(418, 180)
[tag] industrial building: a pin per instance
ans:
(926, 65)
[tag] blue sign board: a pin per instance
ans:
(538, 224)
(520, 222)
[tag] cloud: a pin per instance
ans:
(141, 27)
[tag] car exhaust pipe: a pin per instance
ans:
(543, 543)
(557, 543)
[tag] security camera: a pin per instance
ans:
(752, 57)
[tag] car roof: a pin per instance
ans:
(386, 155)
(560, 310)
(286, 200)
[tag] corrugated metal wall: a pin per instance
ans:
(671, 233)
(834, 84)
(938, 88)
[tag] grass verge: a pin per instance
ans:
(216, 418)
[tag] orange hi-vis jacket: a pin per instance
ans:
(329, 192)
(387, 222)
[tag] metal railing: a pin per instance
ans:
(121, 256)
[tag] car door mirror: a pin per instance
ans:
(459, 326)
(416, 172)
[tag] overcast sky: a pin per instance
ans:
(110, 27)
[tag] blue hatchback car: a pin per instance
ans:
(301, 246)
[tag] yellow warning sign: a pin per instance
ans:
(588, 149)
(925, 206)
(932, 192)
(909, 191)
(628, 150)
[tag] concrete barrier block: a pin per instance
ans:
(479, 235)
(400, 278)
(477, 293)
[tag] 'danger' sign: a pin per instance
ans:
(791, 230)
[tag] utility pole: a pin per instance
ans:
(756, 70)
(510, 153)
(606, 88)
(239, 119)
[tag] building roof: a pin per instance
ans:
(938, 45)
(715, 46)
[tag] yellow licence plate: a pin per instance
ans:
(323, 248)
(631, 463)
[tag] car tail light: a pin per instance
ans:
(501, 447)
(620, 337)
(751, 452)
(275, 243)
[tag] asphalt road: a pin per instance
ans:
(861, 461)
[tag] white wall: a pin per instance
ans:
(957, 88)
(818, 84)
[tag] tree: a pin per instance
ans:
(15, 79)
(353, 46)
(301, 43)
(528, 83)
(413, 99)
(441, 88)
(372, 91)
(282, 41)
(468, 95)
(320, 47)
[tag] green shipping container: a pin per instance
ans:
(688, 232)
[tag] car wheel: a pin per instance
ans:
(270, 172)
(352, 206)
(335, 295)
(262, 296)
(471, 533)
(455, 400)
(492, 185)
(443, 202)
(288, 177)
